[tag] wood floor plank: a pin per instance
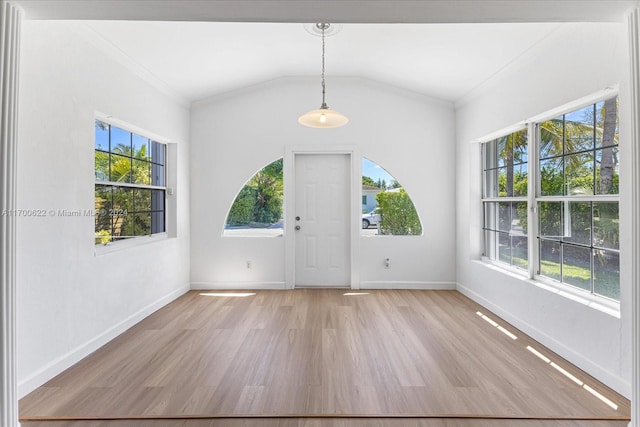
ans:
(450, 422)
(328, 422)
(321, 352)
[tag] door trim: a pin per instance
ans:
(289, 208)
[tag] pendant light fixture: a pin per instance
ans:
(323, 117)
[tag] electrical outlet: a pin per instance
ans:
(248, 263)
(387, 263)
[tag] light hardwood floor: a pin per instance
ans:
(262, 422)
(319, 352)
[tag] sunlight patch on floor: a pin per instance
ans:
(573, 378)
(227, 294)
(496, 325)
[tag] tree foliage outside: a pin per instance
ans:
(259, 203)
(579, 157)
(368, 181)
(506, 176)
(242, 209)
(579, 152)
(398, 214)
(124, 211)
(578, 239)
(512, 164)
(380, 183)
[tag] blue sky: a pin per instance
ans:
(374, 171)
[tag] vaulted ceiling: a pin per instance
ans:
(445, 49)
(198, 60)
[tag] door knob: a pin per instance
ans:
(297, 227)
(297, 218)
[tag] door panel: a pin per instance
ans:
(310, 253)
(322, 199)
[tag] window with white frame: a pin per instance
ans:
(576, 173)
(505, 179)
(577, 199)
(130, 186)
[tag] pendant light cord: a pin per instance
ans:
(323, 27)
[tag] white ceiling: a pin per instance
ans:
(199, 59)
(442, 48)
(357, 11)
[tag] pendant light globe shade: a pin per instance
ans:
(323, 118)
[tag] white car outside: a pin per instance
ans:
(370, 218)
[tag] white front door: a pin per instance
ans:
(322, 226)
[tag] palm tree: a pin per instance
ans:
(608, 160)
(511, 148)
(560, 136)
(608, 212)
(594, 137)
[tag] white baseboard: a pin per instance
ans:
(408, 285)
(202, 286)
(49, 371)
(206, 286)
(611, 380)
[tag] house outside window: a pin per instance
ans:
(369, 194)
(130, 187)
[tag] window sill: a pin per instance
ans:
(127, 244)
(601, 304)
(512, 271)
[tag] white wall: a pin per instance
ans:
(234, 135)
(577, 60)
(69, 302)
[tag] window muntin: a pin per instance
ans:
(505, 166)
(577, 200)
(130, 184)
(505, 230)
(579, 152)
(505, 185)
